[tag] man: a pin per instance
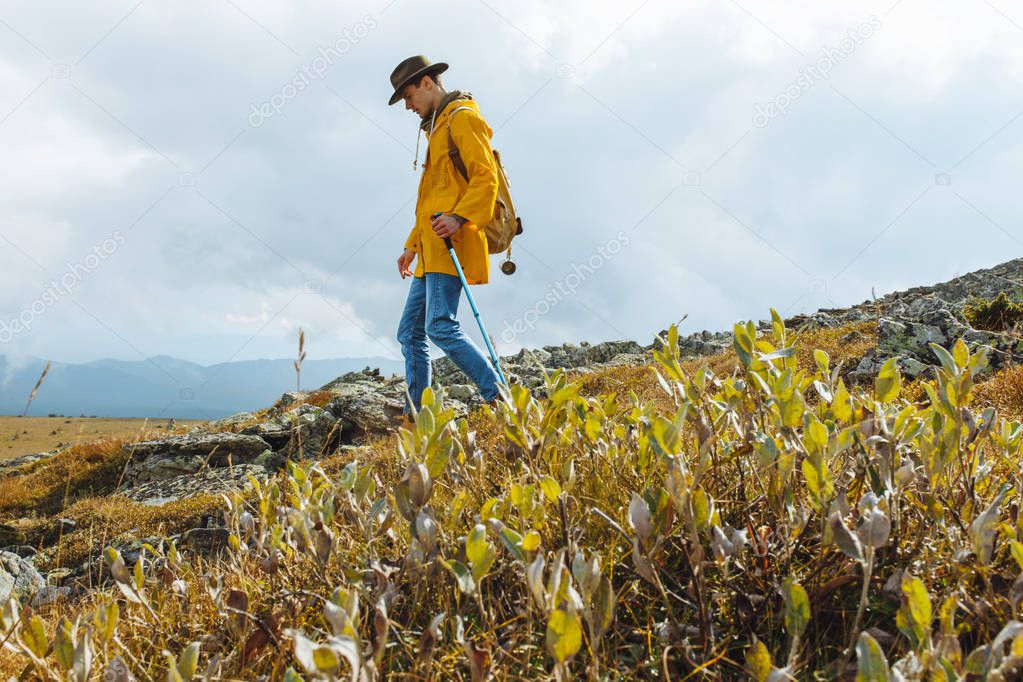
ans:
(465, 206)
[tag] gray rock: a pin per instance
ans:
(314, 427)
(24, 551)
(18, 578)
(852, 337)
(290, 398)
(12, 466)
(911, 368)
(153, 460)
(210, 481)
(463, 392)
(365, 404)
(232, 423)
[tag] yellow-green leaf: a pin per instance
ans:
(872, 666)
(491, 509)
(701, 508)
(888, 382)
(63, 646)
(820, 358)
(914, 616)
(819, 482)
(106, 619)
(326, 659)
(758, 660)
(476, 544)
(189, 660)
(960, 353)
(564, 634)
(34, 636)
(1016, 548)
(841, 406)
(139, 576)
(550, 488)
(817, 435)
(797, 607)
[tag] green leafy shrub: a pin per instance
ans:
(767, 523)
(998, 314)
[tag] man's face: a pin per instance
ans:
(418, 97)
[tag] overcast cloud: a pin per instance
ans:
(135, 171)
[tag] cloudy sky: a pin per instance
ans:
(201, 178)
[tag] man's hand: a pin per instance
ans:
(404, 263)
(445, 225)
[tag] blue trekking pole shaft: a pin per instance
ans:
(472, 304)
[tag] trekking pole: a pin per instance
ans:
(472, 303)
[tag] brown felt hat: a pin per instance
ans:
(410, 70)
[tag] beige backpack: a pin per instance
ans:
(505, 225)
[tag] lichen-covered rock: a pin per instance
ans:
(153, 460)
(365, 403)
(315, 428)
(18, 578)
(233, 423)
(290, 398)
(209, 481)
(528, 366)
(12, 466)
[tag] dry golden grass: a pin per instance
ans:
(25, 435)
(316, 398)
(642, 380)
(102, 519)
(1004, 391)
(47, 486)
(830, 341)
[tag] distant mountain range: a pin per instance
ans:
(163, 386)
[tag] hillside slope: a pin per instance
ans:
(780, 500)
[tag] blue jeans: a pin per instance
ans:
(430, 311)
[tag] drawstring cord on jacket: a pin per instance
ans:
(415, 162)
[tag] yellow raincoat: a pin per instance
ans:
(442, 188)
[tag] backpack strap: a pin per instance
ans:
(456, 156)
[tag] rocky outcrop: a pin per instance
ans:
(365, 403)
(907, 321)
(528, 366)
(359, 406)
(306, 431)
(154, 460)
(10, 467)
(209, 481)
(232, 424)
